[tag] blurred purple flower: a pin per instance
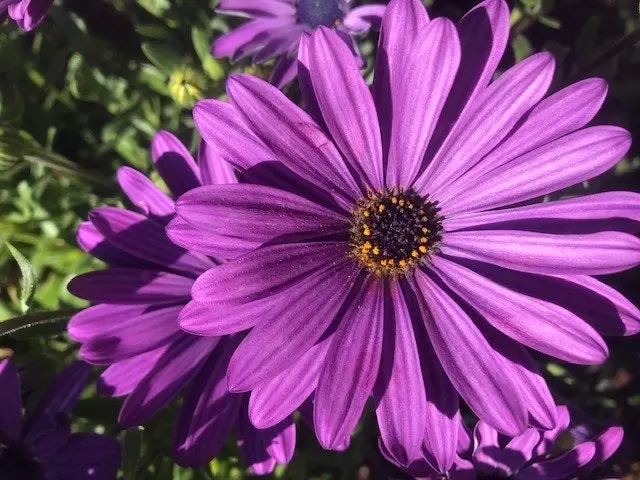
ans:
(26, 13)
(275, 28)
(42, 446)
(134, 327)
(533, 455)
(387, 264)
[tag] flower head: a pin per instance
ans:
(26, 13)
(276, 26)
(387, 265)
(42, 446)
(134, 329)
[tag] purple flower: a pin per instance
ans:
(134, 327)
(388, 265)
(42, 446)
(533, 455)
(276, 26)
(26, 13)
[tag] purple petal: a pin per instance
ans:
(86, 456)
(486, 448)
(548, 440)
(517, 453)
(213, 169)
(254, 444)
(257, 8)
(283, 443)
(123, 377)
(564, 162)
(607, 443)
(494, 112)
(182, 359)
(423, 89)
(470, 362)
(175, 164)
(297, 320)
(562, 467)
(142, 192)
(130, 285)
(400, 389)
(304, 81)
(401, 23)
(208, 412)
(249, 37)
(284, 71)
(222, 319)
(10, 401)
(346, 105)
(465, 444)
(351, 367)
(364, 18)
(29, 13)
(292, 135)
(589, 254)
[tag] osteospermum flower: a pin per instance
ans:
(134, 329)
(533, 455)
(26, 13)
(275, 28)
(41, 446)
(388, 265)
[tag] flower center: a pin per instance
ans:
(392, 232)
(17, 463)
(319, 12)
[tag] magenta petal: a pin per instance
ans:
(486, 444)
(253, 445)
(213, 169)
(174, 163)
(283, 443)
(248, 37)
(362, 19)
(304, 81)
(549, 437)
(346, 105)
(123, 377)
(607, 443)
(351, 367)
(470, 362)
(222, 319)
(423, 89)
(10, 401)
(142, 192)
(518, 452)
(562, 467)
(285, 70)
(257, 8)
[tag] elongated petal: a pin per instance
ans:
(86, 456)
(351, 368)
(346, 105)
(607, 443)
(561, 467)
(248, 37)
(569, 160)
(285, 70)
(255, 8)
(518, 452)
(123, 377)
(400, 391)
(283, 443)
(423, 91)
(175, 164)
(469, 360)
(253, 445)
(549, 437)
(486, 445)
(222, 319)
(10, 401)
(145, 195)
(361, 19)
(213, 169)
(589, 254)
(299, 318)
(264, 272)
(304, 81)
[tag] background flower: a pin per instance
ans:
(26, 13)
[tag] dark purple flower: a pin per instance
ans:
(26, 13)
(388, 265)
(134, 327)
(276, 26)
(42, 446)
(533, 455)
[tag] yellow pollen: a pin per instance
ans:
(376, 250)
(394, 200)
(366, 213)
(422, 248)
(381, 208)
(425, 230)
(366, 231)
(415, 254)
(410, 206)
(401, 202)
(424, 239)
(403, 263)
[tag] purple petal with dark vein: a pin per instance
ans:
(145, 195)
(607, 443)
(617, 210)
(493, 114)
(285, 70)
(10, 401)
(562, 467)
(293, 136)
(571, 108)
(422, 92)
(548, 440)
(265, 272)
(485, 439)
(471, 363)
(249, 38)
(86, 456)
(130, 286)
(364, 18)
(309, 98)
(465, 444)
(517, 453)
(213, 169)
(483, 32)
(283, 442)
(146, 239)
(167, 377)
(564, 162)
(123, 377)
(274, 400)
(399, 393)
(282, 43)
(346, 105)
(401, 23)
(174, 163)
(306, 413)
(224, 130)
(222, 319)
(208, 412)
(131, 336)
(253, 445)
(51, 441)
(538, 324)
(257, 8)
(298, 319)
(589, 254)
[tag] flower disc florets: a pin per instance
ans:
(392, 232)
(319, 12)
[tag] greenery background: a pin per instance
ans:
(85, 93)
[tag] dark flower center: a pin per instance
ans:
(17, 463)
(319, 12)
(392, 232)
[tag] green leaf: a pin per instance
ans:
(131, 448)
(162, 56)
(37, 323)
(28, 281)
(202, 45)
